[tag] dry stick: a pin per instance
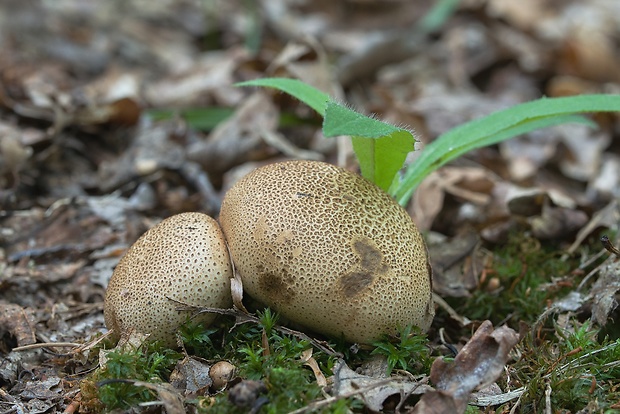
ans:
(77, 347)
(321, 403)
(548, 398)
(462, 320)
(46, 345)
(608, 245)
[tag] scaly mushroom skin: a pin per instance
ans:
(329, 250)
(183, 258)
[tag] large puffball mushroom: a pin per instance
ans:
(329, 250)
(182, 258)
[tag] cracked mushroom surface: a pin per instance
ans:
(182, 258)
(329, 250)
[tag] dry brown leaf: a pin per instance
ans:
(372, 390)
(18, 322)
(238, 139)
(13, 153)
(603, 293)
(42, 389)
(469, 184)
(524, 15)
(557, 222)
(456, 264)
(607, 217)
(152, 149)
(480, 362)
(606, 184)
(169, 397)
(191, 377)
(308, 360)
(211, 75)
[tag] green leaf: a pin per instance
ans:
(498, 127)
(438, 15)
(309, 95)
(204, 119)
(380, 148)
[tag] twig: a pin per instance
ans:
(327, 401)
(76, 347)
(608, 245)
(462, 320)
(548, 409)
(46, 345)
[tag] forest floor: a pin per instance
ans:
(117, 114)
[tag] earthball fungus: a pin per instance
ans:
(183, 258)
(328, 249)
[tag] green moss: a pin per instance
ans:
(290, 384)
(576, 368)
(152, 363)
(410, 352)
(525, 270)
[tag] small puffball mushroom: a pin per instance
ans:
(182, 258)
(329, 250)
(221, 373)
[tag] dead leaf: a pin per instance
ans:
(469, 184)
(557, 222)
(456, 264)
(210, 74)
(373, 390)
(606, 184)
(13, 153)
(18, 322)
(191, 376)
(480, 362)
(152, 149)
(308, 360)
(238, 139)
(166, 393)
(606, 217)
(603, 293)
(42, 389)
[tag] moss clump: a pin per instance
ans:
(151, 363)
(530, 275)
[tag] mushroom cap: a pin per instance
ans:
(329, 250)
(184, 258)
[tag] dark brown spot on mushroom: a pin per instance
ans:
(355, 282)
(370, 256)
(277, 286)
(370, 265)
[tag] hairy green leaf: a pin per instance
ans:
(309, 95)
(380, 148)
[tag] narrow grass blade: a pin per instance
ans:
(498, 127)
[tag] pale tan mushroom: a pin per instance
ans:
(329, 250)
(182, 258)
